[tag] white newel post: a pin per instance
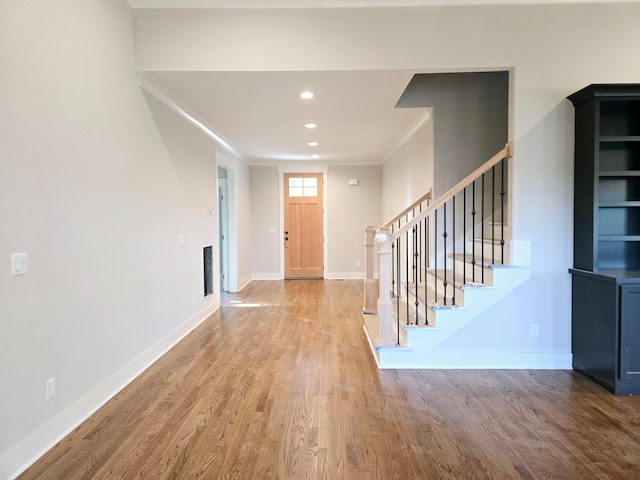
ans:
(386, 335)
(370, 284)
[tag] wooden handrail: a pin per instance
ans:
(506, 152)
(426, 196)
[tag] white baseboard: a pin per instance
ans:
(327, 276)
(267, 276)
(404, 359)
(344, 276)
(244, 282)
(25, 453)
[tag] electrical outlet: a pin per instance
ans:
(357, 263)
(51, 388)
(180, 240)
(535, 329)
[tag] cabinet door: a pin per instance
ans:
(630, 332)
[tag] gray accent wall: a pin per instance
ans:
(470, 119)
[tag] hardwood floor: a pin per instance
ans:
(283, 386)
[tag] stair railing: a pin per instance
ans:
(370, 284)
(423, 256)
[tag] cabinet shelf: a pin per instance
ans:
(620, 138)
(620, 173)
(619, 238)
(617, 156)
(619, 204)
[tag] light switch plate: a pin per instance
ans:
(19, 265)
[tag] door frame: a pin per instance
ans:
(232, 218)
(223, 233)
(322, 169)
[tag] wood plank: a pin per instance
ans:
(289, 390)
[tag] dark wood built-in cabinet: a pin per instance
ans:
(606, 273)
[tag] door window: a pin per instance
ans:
(303, 187)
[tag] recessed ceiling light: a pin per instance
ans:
(306, 95)
(310, 125)
(315, 156)
(313, 144)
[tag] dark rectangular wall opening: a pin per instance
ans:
(208, 270)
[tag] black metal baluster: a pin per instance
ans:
(393, 265)
(482, 230)
(493, 214)
(444, 240)
(426, 266)
(464, 236)
(435, 257)
(502, 209)
(416, 266)
(473, 231)
(406, 273)
(399, 264)
(398, 292)
(398, 286)
(420, 249)
(453, 232)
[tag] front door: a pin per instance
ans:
(303, 234)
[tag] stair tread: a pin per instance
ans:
(431, 293)
(460, 281)
(495, 241)
(468, 257)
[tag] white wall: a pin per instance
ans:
(192, 157)
(96, 184)
(89, 190)
(408, 172)
(265, 214)
(349, 209)
(553, 50)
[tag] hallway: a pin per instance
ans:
(279, 383)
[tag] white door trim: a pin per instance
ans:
(282, 169)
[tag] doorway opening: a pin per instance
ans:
(303, 225)
(223, 227)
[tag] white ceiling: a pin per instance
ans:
(262, 115)
(338, 3)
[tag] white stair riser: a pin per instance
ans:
(449, 320)
(431, 297)
(476, 246)
(431, 317)
(468, 269)
(418, 342)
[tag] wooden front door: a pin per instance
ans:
(303, 234)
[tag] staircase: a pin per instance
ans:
(441, 264)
